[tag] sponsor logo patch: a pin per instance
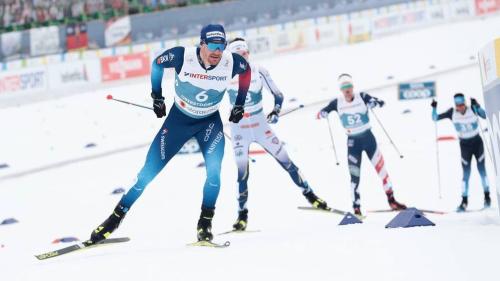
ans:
(202, 76)
(165, 58)
(208, 132)
(212, 34)
(216, 141)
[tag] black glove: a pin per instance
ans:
(273, 117)
(434, 103)
(159, 105)
(474, 105)
(236, 114)
(473, 102)
(372, 103)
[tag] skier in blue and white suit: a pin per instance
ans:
(352, 108)
(202, 75)
(466, 123)
(254, 127)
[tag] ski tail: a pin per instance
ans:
(210, 244)
(239, 231)
(422, 210)
(331, 210)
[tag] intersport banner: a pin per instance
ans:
(125, 66)
(24, 80)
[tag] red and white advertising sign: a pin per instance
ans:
(125, 66)
(487, 6)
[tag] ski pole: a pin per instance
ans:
(481, 129)
(387, 134)
(110, 97)
(291, 110)
(437, 159)
(484, 139)
(331, 139)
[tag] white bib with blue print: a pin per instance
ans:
(466, 124)
(353, 115)
(198, 92)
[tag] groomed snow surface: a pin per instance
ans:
(72, 197)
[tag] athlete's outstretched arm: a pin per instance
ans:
(447, 114)
(271, 86)
(480, 112)
(371, 101)
(241, 67)
(173, 57)
(330, 107)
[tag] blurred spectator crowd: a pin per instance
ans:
(26, 14)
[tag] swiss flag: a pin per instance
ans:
(487, 6)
